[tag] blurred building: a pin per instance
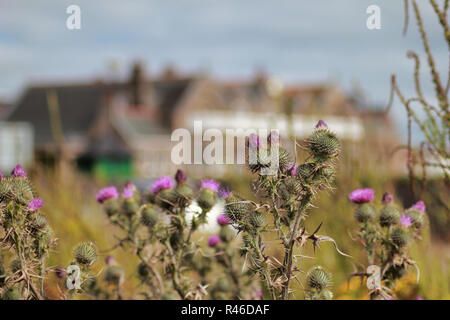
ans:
(122, 128)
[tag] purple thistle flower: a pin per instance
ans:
(419, 206)
(106, 193)
(162, 184)
(128, 190)
(19, 172)
(292, 169)
(253, 141)
(180, 176)
(35, 204)
(213, 241)
(387, 198)
(405, 221)
(362, 195)
(224, 192)
(420, 298)
(210, 184)
(321, 125)
(223, 220)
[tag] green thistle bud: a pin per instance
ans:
(130, 206)
(257, 220)
(85, 253)
(207, 199)
(39, 222)
(306, 171)
(318, 279)
(263, 160)
(237, 209)
(223, 285)
(226, 234)
(112, 207)
(11, 294)
(247, 240)
(284, 160)
(418, 218)
(400, 237)
(166, 199)
(114, 275)
(389, 216)
(364, 212)
(150, 215)
(323, 145)
(184, 195)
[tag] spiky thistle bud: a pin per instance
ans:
(400, 237)
(180, 176)
(389, 216)
(257, 220)
(130, 206)
(39, 222)
(237, 208)
(318, 279)
(417, 217)
(364, 212)
(150, 215)
(323, 145)
(207, 198)
(85, 253)
(183, 195)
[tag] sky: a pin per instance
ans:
(298, 41)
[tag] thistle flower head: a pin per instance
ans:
(387, 198)
(292, 169)
(317, 278)
(210, 184)
(180, 176)
(128, 190)
(253, 141)
(213, 241)
(223, 220)
(35, 204)
(406, 221)
(106, 193)
(389, 216)
(364, 212)
(419, 206)
(19, 172)
(400, 237)
(362, 195)
(162, 183)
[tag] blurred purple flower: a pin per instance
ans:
(321, 125)
(35, 204)
(110, 260)
(210, 184)
(180, 176)
(60, 272)
(128, 190)
(405, 221)
(106, 193)
(213, 241)
(420, 298)
(253, 141)
(292, 169)
(258, 294)
(19, 172)
(387, 198)
(362, 195)
(162, 184)
(223, 220)
(419, 206)
(224, 192)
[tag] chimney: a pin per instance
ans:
(137, 85)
